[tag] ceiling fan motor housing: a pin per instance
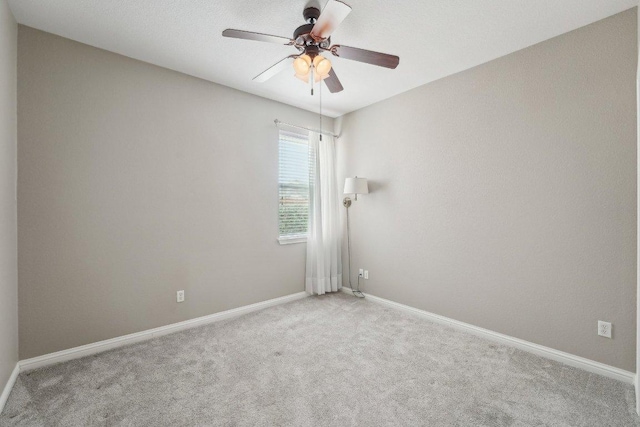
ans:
(302, 34)
(302, 30)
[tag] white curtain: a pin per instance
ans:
(324, 260)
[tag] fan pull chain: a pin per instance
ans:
(311, 79)
(320, 96)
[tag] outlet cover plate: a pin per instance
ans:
(604, 329)
(180, 296)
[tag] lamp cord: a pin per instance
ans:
(357, 291)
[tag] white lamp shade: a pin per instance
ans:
(356, 186)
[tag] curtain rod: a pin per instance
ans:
(278, 123)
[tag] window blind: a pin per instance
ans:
(294, 167)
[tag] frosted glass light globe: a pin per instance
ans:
(322, 65)
(302, 64)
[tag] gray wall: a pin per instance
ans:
(8, 218)
(505, 196)
(135, 182)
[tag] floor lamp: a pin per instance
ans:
(353, 186)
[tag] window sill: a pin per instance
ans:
(292, 240)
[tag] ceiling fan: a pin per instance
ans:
(312, 39)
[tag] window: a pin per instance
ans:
(294, 170)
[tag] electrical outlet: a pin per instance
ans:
(366, 274)
(604, 329)
(180, 296)
(361, 273)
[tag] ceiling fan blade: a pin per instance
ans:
(248, 35)
(332, 15)
(275, 69)
(368, 56)
(333, 83)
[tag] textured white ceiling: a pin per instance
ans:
(434, 38)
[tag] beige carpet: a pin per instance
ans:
(322, 361)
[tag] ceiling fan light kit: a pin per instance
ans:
(311, 39)
(305, 67)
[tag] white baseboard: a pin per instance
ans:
(100, 346)
(8, 386)
(549, 353)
